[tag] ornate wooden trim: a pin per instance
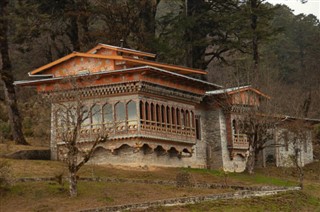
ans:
(120, 89)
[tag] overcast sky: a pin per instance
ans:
(312, 6)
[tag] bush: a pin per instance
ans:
(27, 127)
(5, 130)
(5, 175)
(184, 179)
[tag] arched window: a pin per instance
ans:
(147, 111)
(132, 110)
(178, 116)
(69, 116)
(141, 110)
(192, 119)
(168, 114)
(96, 114)
(187, 118)
(163, 114)
(85, 116)
(183, 118)
(173, 115)
(198, 127)
(157, 113)
(120, 112)
(107, 113)
(234, 127)
(152, 110)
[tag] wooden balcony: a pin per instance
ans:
(239, 145)
(168, 131)
(240, 141)
(141, 128)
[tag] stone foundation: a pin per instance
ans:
(129, 156)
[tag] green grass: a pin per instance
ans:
(252, 179)
(262, 179)
(35, 196)
(51, 196)
(290, 201)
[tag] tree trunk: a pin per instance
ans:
(301, 177)
(73, 188)
(254, 22)
(74, 33)
(251, 161)
(83, 21)
(7, 79)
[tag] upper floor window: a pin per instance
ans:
(173, 115)
(178, 116)
(198, 127)
(183, 118)
(107, 113)
(85, 116)
(187, 118)
(132, 110)
(141, 110)
(147, 111)
(192, 119)
(120, 111)
(152, 110)
(163, 117)
(96, 114)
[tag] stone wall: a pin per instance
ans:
(214, 134)
(191, 200)
(129, 156)
(285, 150)
(211, 136)
(269, 154)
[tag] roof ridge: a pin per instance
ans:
(122, 49)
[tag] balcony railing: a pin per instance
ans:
(240, 141)
(165, 131)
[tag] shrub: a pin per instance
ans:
(5, 130)
(5, 175)
(184, 179)
(27, 127)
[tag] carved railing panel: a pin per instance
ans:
(240, 141)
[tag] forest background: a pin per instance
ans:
(237, 42)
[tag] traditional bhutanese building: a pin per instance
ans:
(154, 113)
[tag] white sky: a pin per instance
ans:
(312, 6)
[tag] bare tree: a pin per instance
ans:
(259, 129)
(72, 117)
(297, 133)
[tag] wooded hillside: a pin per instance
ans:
(237, 42)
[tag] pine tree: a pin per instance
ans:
(7, 77)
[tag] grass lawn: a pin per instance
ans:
(50, 196)
(291, 201)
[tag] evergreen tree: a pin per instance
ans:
(7, 76)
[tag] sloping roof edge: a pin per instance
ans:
(121, 49)
(29, 82)
(233, 90)
(129, 59)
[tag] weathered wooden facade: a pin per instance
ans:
(154, 113)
